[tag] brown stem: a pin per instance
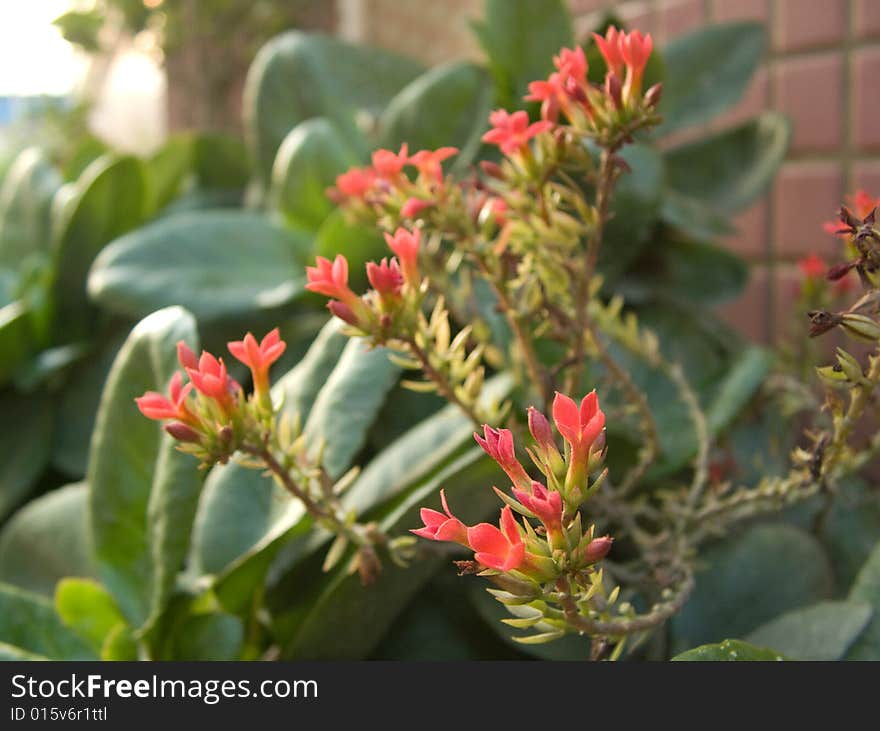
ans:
(444, 387)
(283, 476)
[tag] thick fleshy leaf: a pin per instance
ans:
(347, 405)
(87, 609)
(28, 622)
(297, 76)
(47, 540)
(240, 507)
(446, 106)
(867, 589)
(215, 636)
(693, 217)
(108, 200)
(25, 433)
(307, 163)
(823, 631)
(708, 71)
(143, 491)
(729, 651)
(520, 38)
(730, 169)
(220, 162)
(77, 408)
(25, 202)
(748, 579)
(687, 271)
(18, 341)
(215, 263)
(168, 170)
(334, 616)
(634, 208)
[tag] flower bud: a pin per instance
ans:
(850, 366)
(182, 433)
(860, 327)
(597, 549)
(652, 96)
(343, 312)
(492, 169)
(614, 89)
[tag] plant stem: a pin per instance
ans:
(444, 387)
(283, 477)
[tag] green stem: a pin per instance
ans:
(444, 387)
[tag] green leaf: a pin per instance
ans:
(17, 338)
(82, 28)
(729, 650)
(87, 609)
(9, 653)
(215, 636)
(867, 589)
(307, 163)
(241, 508)
(29, 623)
(741, 381)
(120, 644)
(109, 199)
(168, 169)
(689, 271)
(347, 405)
(25, 433)
(693, 217)
(25, 202)
(77, 408)
(823, 631)
(732, 168)
(143, 491)
(215, 263)
(220, 162)
(708, 71)
(298, 75)
(520, 38)
(634, 207)
(448, 105)
(359, 243)
(749, 578)
(335, 617)
(47, 540)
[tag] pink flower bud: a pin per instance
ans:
(182, 433)
(540, 428)
(185, 356)
(597, 549)
(343, 312)
(414, 206)
(546, 504)
(406, 246)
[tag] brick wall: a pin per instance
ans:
(822, 70)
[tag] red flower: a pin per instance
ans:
(331, 279)
(355, 183)
(512, 132)
(862, 204)
(385, 278)
(551, 94)
(546, 504)
(428, 162)
(812, 267)
(212, 380)
(259, 356)
(503, 549)
(440, 527)
(498, 444)
(579, 426)
(572, 64)
(609, 47)
(414, 206)
(406, 246)
(389, 165)
(154, 405)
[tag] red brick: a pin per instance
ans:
(866, 176)
(801, 24)
(805, 195)
(811, 92)
(724, 11)
(748, 313)
(866, 116)
(750, 240)
(754, 101)
(678, 17)
(867, 18)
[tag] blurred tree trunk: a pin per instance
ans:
(207, 58)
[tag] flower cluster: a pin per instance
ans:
(384, 188)
(396, 287)
(556, 545)
(210, 414)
